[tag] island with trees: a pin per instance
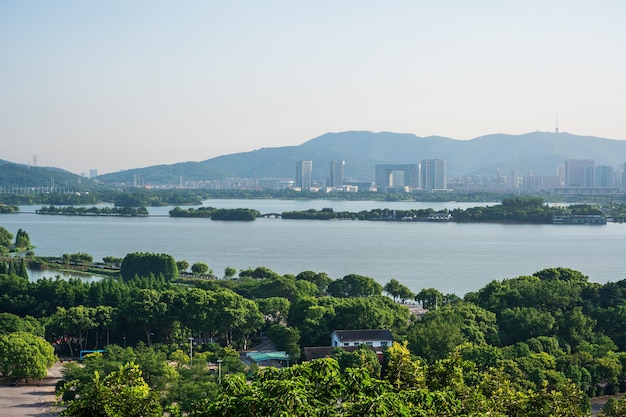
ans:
(518, 209)
(4, 209)
(94, 211)
(237, 214)
(512, 210)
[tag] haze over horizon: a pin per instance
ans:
(120, 85)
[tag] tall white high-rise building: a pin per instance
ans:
(433, 174)
(337, 173)
(304, 174)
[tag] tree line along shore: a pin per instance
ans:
(532, 210)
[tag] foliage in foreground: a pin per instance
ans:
(319, 388)
(24, 356)
(407, 387)
(168, 372)
(121, 393)
(539, 333)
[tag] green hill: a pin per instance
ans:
(40, 179)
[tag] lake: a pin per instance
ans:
(452, 257)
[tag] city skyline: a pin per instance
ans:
(120, 85)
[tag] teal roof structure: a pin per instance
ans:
(268, 356)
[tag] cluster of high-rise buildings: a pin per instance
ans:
(429, 175)
(583, 176)
(574, 176)
(584, 173)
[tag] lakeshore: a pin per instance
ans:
(454, 257)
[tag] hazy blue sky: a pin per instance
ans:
(122, 84)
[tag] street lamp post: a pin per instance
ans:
(191, 351)
(219, 371)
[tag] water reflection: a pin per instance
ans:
(37, 274)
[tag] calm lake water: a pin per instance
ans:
(454, 258)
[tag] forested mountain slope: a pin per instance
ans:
(537, 152)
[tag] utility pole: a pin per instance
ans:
(191, 351)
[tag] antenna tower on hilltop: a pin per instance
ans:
(556, 130)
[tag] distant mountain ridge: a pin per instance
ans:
(537, 153)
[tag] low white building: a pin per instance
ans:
(375, 338)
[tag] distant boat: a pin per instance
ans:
(439, 217)
(567, 218)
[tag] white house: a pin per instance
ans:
(375, 338)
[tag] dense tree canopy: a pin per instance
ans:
(354, 285)
(512, 345)
(24, 356)
(6, 239)
(22, 240)
(322, 388)
(14, 266)
(239, 214)
(10, 323)
(398, 291)
(145, 264)
(199, 268)
(120, 393)
(94, 211)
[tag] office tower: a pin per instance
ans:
(576, 174)
(433, 174)
(603, 176)
(304, 171)
(337, 172)
(385, 176)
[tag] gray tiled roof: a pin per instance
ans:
(359, 335)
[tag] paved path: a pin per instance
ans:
(598, 402)
(32, 400)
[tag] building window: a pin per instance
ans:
(346, 344)
(383, 344)
(369, 343)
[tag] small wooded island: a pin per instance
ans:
(240, 214)
(94, 211)
(4, 208)
(511, 210)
